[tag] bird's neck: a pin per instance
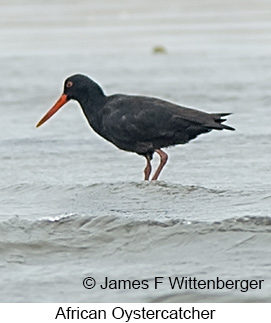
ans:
(92, 106)
(91, 97)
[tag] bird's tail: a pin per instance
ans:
(218, 118)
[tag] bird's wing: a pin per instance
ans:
(135, 118)
(130, 118)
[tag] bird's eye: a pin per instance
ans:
(69, 84)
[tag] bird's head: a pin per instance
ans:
(76, 87)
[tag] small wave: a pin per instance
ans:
(73, 223)
(267, 197)
(76, 220)
(151, 187)
(129, 190)
(72, 235)
(24, 187)
(146, 187)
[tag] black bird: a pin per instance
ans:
(138, 124)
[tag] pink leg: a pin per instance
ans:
(163, 161)
(147, 170)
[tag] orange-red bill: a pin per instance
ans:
(62, 100)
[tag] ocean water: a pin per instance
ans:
(74, 206)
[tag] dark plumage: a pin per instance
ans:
(138, 124)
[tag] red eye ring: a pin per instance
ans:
(69, 84)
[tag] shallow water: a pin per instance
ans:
(72, 205)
